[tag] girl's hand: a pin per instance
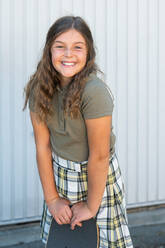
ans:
(80, 213)
(60, 210)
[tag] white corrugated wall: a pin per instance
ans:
(130, 38)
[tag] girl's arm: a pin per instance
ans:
(99, 146)
(58, 207)
(98, 131)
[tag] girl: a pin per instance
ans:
(71, 113)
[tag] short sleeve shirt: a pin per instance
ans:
(69, 136)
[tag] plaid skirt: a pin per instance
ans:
(111, 218)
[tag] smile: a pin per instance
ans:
(68, 63)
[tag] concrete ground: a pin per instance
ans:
(147, 229)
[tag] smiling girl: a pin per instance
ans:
(71, 113)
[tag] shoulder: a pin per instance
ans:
(94, 82)
(95, 87)
(97, 99)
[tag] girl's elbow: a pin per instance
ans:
(100, 156)
(42, 148)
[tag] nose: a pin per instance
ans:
(68, 52)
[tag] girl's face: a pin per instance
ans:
(69, 54)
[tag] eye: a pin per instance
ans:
(59, 46)
(78, 47)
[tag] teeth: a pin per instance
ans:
(67, 63)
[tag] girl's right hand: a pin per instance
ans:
(60, 210)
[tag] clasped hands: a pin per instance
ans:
(64, 214)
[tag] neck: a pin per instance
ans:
(64, 81)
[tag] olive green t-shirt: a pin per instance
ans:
(68, 136)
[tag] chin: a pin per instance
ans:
(69, 75)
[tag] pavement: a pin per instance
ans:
(147, 228)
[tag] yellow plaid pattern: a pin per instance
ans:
(111, 218)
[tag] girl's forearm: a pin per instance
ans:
(45, 169)
(97, 177)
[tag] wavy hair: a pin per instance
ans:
(42, 84)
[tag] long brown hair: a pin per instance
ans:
(44, 81)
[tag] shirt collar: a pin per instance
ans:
(64, 88)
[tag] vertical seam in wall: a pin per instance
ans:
(60, 7)
(158, 82)
(48, 14)
(83, 8)
(37, 36)
(137, 99)
(24, 52)
(116, 69)
(12, 157)
(95, 20)
(95, 30)
(147, 149)
(126, 181)
(1, 160)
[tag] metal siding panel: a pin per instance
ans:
(90, 15)
(24, 114)
(5, 113)
(121, 85)
(111, 73)
(132, 102)
(110, 45)
(18, 140)
(32, 57)
(161, 102)
(67, 7)
(1, 105)
(100, 35)
(55, 10)
(142, 95)
(78, 7)
(42, 24)
(11, 172)
(153, 103)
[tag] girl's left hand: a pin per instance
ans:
(80, 213)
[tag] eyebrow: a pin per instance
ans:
(78, 42)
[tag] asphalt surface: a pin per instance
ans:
(148, 236)
(147, 230)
